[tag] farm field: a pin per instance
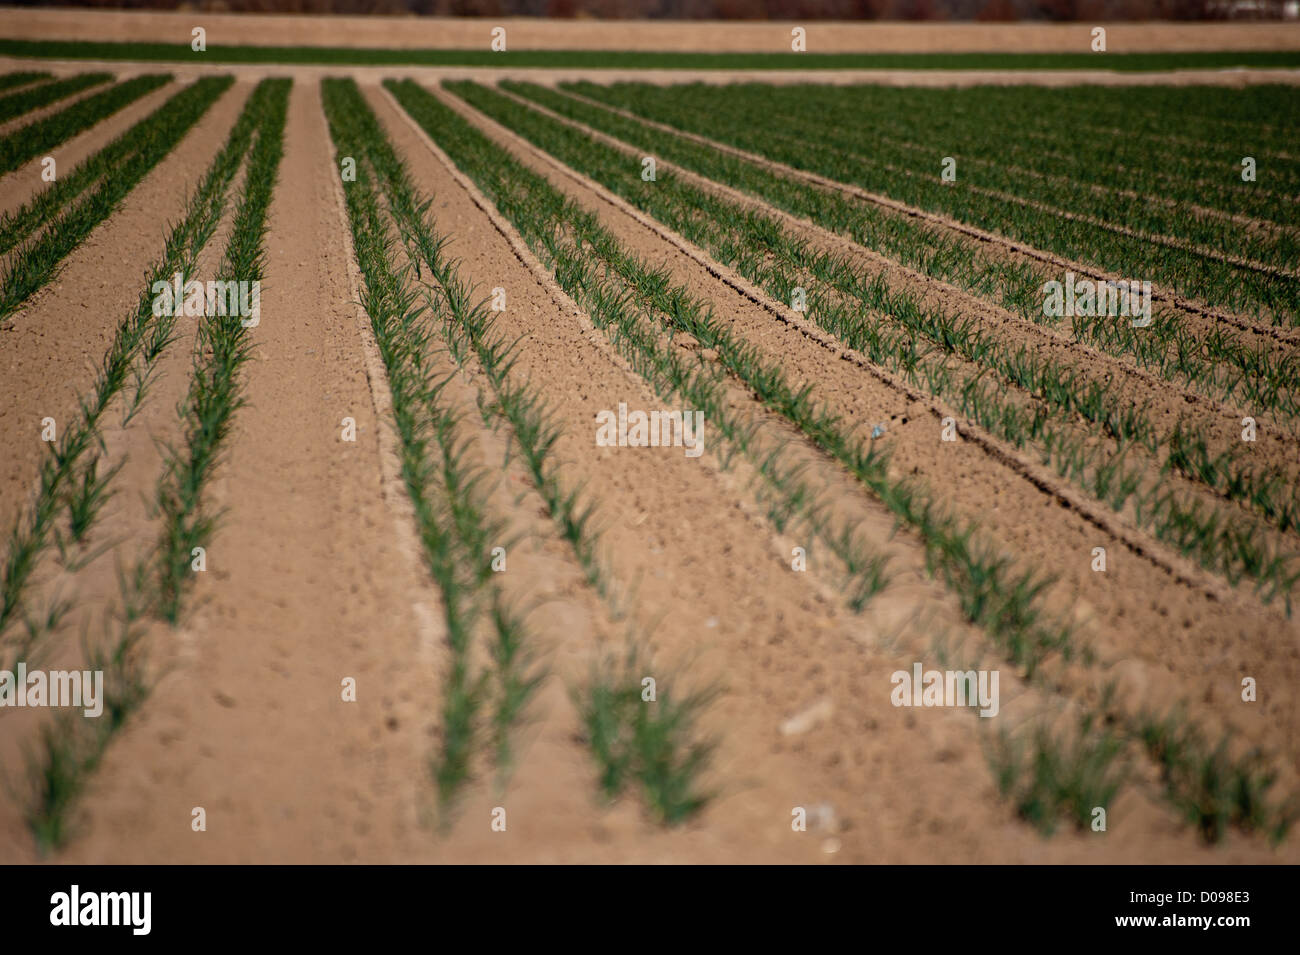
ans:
(526, 468)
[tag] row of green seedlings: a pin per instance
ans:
(758, 247)
(1059, 764)
(449, 495)
(118, 168)
(773, 59)
(991, 593)
(9, 81)
(1213, 360)
(660, 747)
(222, 347)
(40, 136)
(472, 332)
(657, 745)
(1209, 226)
(1065, 774)
(1065, 762)
(1207, 116)
(26, 101)
(69, 483)
(1212, 154)
(70, 748)
(745, 118)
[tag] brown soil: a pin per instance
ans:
(693, 36)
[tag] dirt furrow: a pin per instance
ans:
(533, 33)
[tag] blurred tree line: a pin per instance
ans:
(986, 10)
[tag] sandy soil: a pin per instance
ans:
(702, 36)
